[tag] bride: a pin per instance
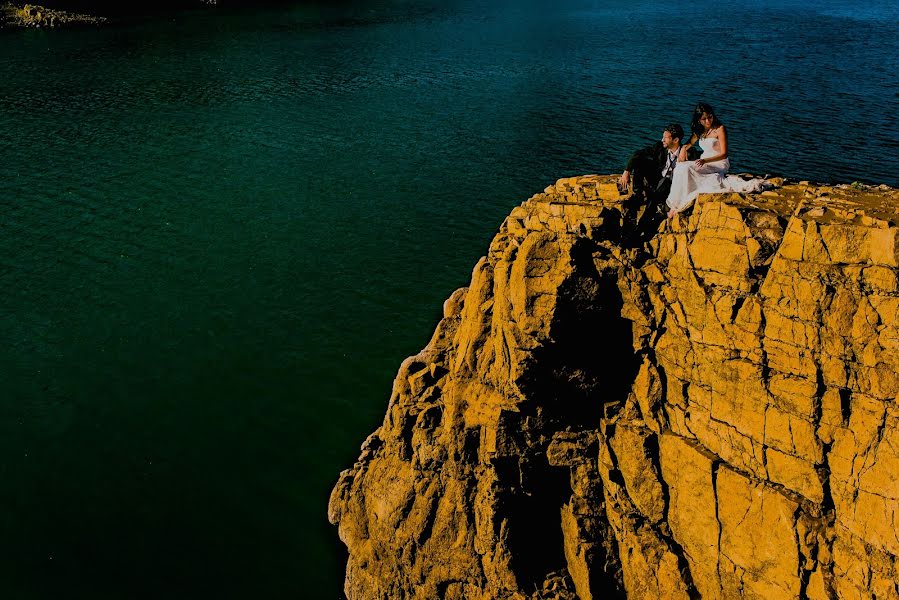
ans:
(708, 174)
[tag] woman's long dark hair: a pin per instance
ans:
(695, 126)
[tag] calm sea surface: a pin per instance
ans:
(221, 232)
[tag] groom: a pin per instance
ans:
(649, 172)
(650, 169)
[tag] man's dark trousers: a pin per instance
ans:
(645, 167)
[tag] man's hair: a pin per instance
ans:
(676, 131)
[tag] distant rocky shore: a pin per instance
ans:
(78, 13)
(33, 15)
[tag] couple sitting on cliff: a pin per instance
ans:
(677, 173)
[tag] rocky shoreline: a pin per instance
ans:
(714, 414)
(18, 15)
(41, 17)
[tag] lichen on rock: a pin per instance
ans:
(712, 414)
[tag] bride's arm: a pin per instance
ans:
(722, 145)
(682, 156)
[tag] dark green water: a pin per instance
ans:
(221, 232)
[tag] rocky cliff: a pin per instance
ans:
(711, 415)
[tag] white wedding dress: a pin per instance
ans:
(688, 180)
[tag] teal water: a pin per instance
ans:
(221, 232)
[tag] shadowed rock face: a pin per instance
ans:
(713, 415)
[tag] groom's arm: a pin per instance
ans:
(640, 157)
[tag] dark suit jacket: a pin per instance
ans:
(646, 163)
